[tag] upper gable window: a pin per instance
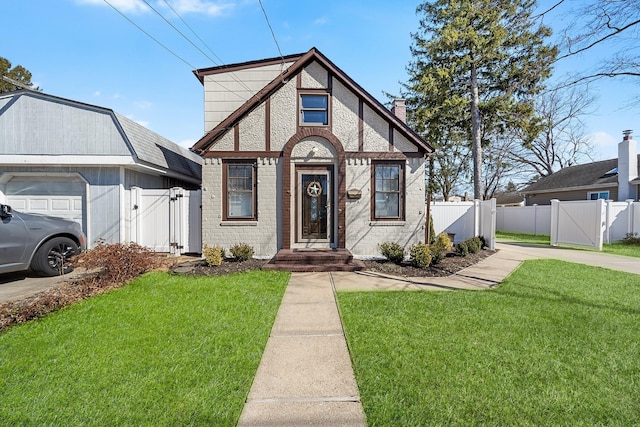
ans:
(314, 110)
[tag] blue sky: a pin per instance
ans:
(84, 50)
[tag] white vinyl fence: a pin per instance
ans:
(166, 220)
(588, 222)
(534, 219)
(466, 219)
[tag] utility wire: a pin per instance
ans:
(272, 33)
(169, 50)
(149, 35)
(221, 62)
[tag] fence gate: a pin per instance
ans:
(166, 220)
(578, 223)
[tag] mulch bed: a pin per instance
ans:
(448, 266)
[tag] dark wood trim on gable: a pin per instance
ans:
(267, 124)
(236, 137)
(390, 137)
(200, 73)
(206, 142)
(360, 124)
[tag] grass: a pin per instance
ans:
(616, 248)
(556, 344)
(164, 350)
(523, 238)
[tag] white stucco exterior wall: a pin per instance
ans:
(261, 234)
(252, 131)
(376, 131)
(345, 116)
(223, 144)
(283, 115)
(402, 144)
(315, 76)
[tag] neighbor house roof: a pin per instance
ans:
(64, 127)
(590, 175)
(299, 62)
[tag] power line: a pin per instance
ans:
(233, 75)
(169, 50)
(149, 35)
(194, 33)
(272, 33)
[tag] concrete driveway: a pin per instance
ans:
(14, 286)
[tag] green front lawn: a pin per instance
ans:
(163, 350)
(523, 238)
(556, 344)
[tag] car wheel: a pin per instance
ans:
(52, 258)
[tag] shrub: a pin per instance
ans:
(118, 263)
(420, 255)
(432, 231)
(392, 251)
(474, 245)
(440, 248)
(213, 255)
(483, 242)
(241, 252)
(108, 266)
(462, 248)
(631, 239)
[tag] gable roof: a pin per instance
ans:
(589, 175)
(126, 137)
(300, 61)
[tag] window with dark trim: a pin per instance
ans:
(388, 191)
(239, 186)
(314, 109)
(595, 195)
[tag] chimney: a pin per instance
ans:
(399, 109)
(627, 167)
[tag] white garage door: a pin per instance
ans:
(61, 197)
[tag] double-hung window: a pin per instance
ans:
(239, 181)
(388, 191)
(314, 109)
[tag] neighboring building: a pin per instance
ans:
(298, 155)
(69, 159)
(512, 198)
(614, 179)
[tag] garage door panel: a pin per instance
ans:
(54, 197)
(61, 205)
(39, 205)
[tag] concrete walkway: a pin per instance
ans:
(305, 377)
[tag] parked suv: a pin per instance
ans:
(42, 243)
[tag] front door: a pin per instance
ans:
(314, 204)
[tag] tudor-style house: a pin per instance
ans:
(298, 155)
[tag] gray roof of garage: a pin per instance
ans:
(38, 123)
